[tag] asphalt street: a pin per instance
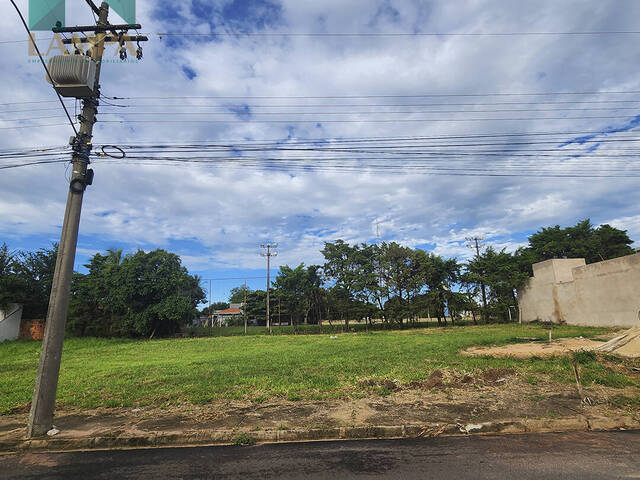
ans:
(580, 455)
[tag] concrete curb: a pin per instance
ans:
(229, 437)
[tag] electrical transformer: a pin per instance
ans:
(72, 75)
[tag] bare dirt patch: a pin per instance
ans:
(446, 397)
(561, 346)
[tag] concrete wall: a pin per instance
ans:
(568, 291)
(10, 323)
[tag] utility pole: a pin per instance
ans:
(210, 319)
(244, 307)
(269, 253)
(44, 394)
(474, 244)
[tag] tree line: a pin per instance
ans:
(142, 294)
(397, 284)
(147, 294)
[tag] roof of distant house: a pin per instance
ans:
(229, 311)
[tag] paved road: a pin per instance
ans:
(567, 456)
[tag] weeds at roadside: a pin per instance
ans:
(243, 440)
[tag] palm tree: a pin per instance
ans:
(114, 256)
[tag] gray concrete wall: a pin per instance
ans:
(10, 323)
(568, 291)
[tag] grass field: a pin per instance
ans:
(164, 372)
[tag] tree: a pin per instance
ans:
(36, 272)
(441, 274)
(503, 273)
(137, 295)
(580, 241)
(347, 266)
(236, 295)
(398, 279)
(298, 290)
(611, 243)
(256, 306)
(12, 288)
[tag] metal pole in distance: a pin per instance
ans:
(44, 394)
(268, 289)
(475, 244)
(244, 307)
(269, 253)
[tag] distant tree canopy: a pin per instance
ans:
(582, 240)
(10, 284)
(388, 280)
(299, 293)
(25, 278)
(134, 295)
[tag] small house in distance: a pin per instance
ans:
(229, 316)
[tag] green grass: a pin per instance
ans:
(164, 372)
(326, 328)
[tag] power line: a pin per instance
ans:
(36, 126)
(422, 95)
(324, 140)
(495, 94)
(400, 120)
(393, 34)
(223, 97)
(438, 171)
(41, 162)
(378, 112)
(228, 109)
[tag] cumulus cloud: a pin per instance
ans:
(217, 216)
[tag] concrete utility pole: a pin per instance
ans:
(269, 253)
(44, 394)
(474, 244)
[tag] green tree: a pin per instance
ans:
(351, 270)
(137, 295)
(12, 285)
(398, 280)
(36, 271)
(580, 241)
(503, 273)
(257, 306)
(299, 292)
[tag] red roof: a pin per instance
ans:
(229, 311)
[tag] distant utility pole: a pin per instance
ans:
(269, 253)
(244, 307)
(474, 244)
(44, 394)
(210, 319)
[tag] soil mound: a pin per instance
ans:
(535, 349)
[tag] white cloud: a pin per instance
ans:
(229, 211)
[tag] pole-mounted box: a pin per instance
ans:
(72, 75)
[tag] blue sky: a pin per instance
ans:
(216, 218)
